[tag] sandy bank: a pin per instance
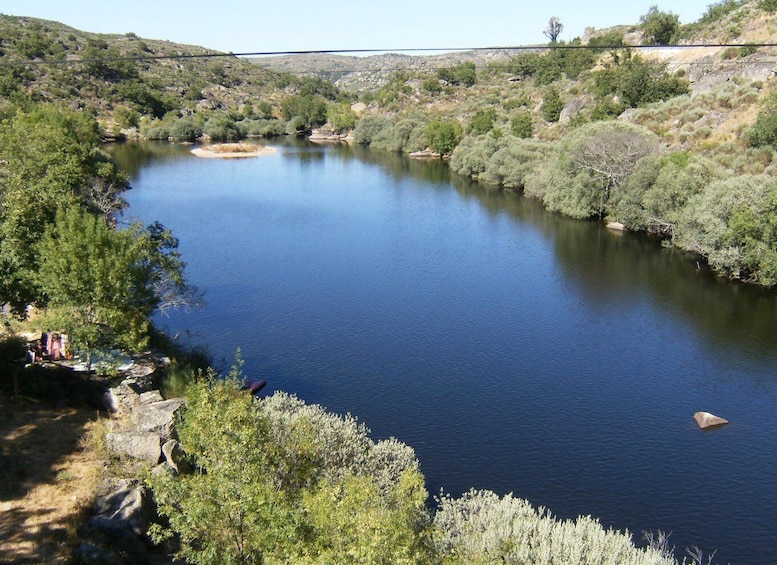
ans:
(233, 150)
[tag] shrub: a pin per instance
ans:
(483, 121)
(552, 105)
(185, 129)
(659, 28)
(442, 136)
(368, 128)
(522, 125)
(481, 528)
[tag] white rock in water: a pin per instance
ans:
(707, 420)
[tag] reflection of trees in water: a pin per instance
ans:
(606, 265)
(602, 265)
(133, 156)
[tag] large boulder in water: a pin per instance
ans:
(707, 420)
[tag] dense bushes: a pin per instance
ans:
(280, 481)
(481, 528)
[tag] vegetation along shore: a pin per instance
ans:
(677, 142)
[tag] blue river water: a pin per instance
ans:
(514, 349)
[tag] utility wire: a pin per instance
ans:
(183, 56)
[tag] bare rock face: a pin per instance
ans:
(176, 458)
(707, 420)
(145, 446)
(158, 417)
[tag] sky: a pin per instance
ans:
(242, 26)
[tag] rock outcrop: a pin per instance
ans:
(707, 420)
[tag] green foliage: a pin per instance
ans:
(307, 110)
(769, 6)
(368, 127)
(47, 159)
(185, 129)
(590, 166)
(483, 121)
(637, 82)
(654, 195)
(481, 528)
(719, 10)
(464, 74)
(341, 116)
(431, 85)
(608, 40)
(281, 481)
(764, 131)
(522, 124)
(222, 127)
(659, 28)
(551, 105)
(144, 98)
(733, 223)
(102, 283)
(442, 136)
(405, 135)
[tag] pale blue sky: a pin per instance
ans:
(282, 25)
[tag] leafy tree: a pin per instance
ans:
(309, 110)
(590, 167)
(552, 105)
(659, 28)
(368, 127)
(553, 29)
(764, 131)
(443, 136)
(48, 159)
(464, 74)
(341, 116)
(655, 194)
(733, 223)
(522, 125)
(637, 82)
(185, 129)
(483, 121)
(102, 283)
(768, 5)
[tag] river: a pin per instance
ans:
(514, 349)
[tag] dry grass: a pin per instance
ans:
(48, 477)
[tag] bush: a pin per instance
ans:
(368, 128)
(659, 28)
(185, 129)
(733, 223)
(280, 481)
(483, 121)
(221, 127)
(464, 74)
(442, 136)
(552, 105)
(481, 528)
(522, 125)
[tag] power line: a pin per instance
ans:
(559, 46)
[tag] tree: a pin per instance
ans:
(522, 125)
(102, 284)
(659, 28)
(443, 136)
(552, 105)
(49, 158)
(554, 29)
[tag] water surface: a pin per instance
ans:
(514, 349)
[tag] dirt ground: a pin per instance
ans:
(48, 476)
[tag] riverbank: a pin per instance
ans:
(233, 151)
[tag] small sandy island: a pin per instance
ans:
(233, 150)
